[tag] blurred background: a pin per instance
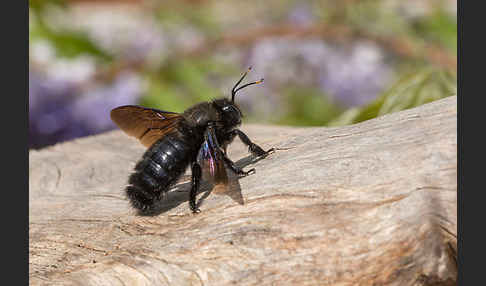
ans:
(325, 63)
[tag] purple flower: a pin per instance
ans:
(352, 75)
(59, 110)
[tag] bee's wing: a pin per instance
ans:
(211, 158)
(146, 124)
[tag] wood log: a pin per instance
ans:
(373, 203)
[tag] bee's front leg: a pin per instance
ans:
(252, 147)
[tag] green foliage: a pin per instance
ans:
(438, 27)
(370, 17)
(39, 5)
(184, 14)
(162, 96)
(308, 107)
(178, 85)
(73, 44)
(69, 44)
(410, 91)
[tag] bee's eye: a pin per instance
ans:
(232, 111)
(228, 108)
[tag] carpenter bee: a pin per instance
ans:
(197, 137)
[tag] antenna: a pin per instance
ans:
(235, 89)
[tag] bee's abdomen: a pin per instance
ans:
(160, 167)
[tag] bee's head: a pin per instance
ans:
(230, 112)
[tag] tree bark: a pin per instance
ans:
(373, 203)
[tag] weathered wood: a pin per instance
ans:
(368, 204)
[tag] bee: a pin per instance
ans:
(198, 138)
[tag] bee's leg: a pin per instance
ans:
(196, 178)
(237, 170)
(254, 148)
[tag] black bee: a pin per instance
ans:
(198, 137)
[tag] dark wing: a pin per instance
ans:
(211, 159)
(146, 124)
